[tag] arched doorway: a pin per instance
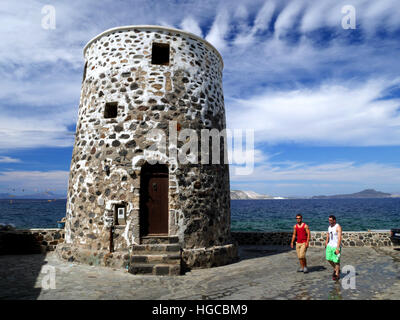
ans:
(153, 200)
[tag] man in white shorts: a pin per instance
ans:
(333, 248)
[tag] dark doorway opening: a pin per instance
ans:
(160, 53)
(153, 200)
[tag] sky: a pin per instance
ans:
(323, 100)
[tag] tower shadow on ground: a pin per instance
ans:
(21, 261)
(256, 251)
(246, 252)
(18, 276)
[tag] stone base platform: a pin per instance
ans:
(72, 253)
(155, 259)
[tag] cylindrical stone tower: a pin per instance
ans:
(122, 207)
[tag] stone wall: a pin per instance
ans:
(209, 257)
(93, 258)
(30, 241)
(41, 240)
(350, 238)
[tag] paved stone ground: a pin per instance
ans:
(264, 272)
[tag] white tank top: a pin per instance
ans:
(333, 236)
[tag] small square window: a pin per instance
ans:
(160, 53)
(111, 110)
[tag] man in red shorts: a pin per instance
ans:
(302, 232)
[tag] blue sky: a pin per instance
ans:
(323, 101)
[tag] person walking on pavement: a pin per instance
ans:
(302, 232)
(333, 246)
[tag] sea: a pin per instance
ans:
(246, 215)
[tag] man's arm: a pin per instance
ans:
(339, 230)
(327, 239)
(308, 235)
(293, 236)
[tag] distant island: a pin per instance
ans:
(367, 193)
(36, 196)
(250, 195)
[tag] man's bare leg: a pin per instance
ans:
(337, 269)
(333, 265)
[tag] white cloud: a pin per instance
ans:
(219, 30)
(191, 25)
(38, 130)
(5, 159)
(332, 114)
(42, 91)
(287, 17)
(305, 179)
(241, 12)
(315, 15)
(334, 172)
(25, 41)
(264, 16)
(246, 155)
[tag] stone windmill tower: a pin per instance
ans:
(123, 210)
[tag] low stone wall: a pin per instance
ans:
(209, 257)
(41, 240)
(350, 238)
(30, 241)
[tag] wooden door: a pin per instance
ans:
(154, 203)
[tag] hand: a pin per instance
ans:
(291, 245)
(306, 244)
(337, 251)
